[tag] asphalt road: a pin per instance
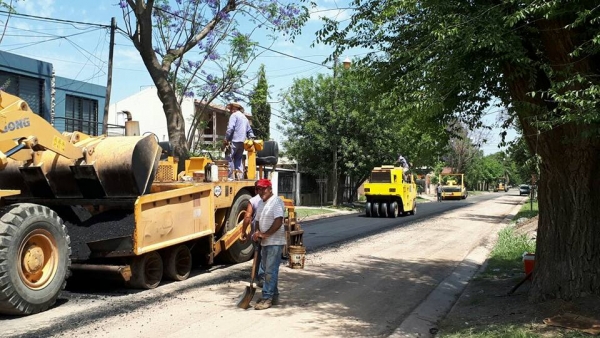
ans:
(87, 302)
(318, 234)
(336, 230)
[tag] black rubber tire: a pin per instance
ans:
(414, 208)
(177, 262)
(375, 211)
(393, 210)
(17, 223)
(146, 271)
(368, 207)
(240, 251)
(383, 210)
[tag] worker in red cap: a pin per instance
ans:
(250, 219)
(271, 234)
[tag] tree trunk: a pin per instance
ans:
(568, 239)
(175, 120)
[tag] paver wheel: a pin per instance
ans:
(34, 258)
(146, 271)
(368, 207)
(177, 262)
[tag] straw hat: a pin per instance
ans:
(236, 105)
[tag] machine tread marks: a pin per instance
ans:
(240, 251)
(18, 223)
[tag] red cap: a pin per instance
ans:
(264, 183)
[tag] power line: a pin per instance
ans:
(41, 18)
(293, 57)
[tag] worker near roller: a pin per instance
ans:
(271, 234)
(250, 219)
(238, 130)
(404, 164)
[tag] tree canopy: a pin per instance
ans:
(165, 33)
(537, 60)
(261, 108)
(323, 114)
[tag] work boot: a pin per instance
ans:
(263, 304)
(275, 300)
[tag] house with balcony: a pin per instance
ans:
(146, 108)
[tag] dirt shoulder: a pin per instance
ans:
(485, 305)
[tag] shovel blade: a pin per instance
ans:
(244, 302)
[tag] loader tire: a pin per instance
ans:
(240, 251)
(34, 258)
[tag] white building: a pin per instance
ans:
(145, 107)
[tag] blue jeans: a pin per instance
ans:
(235, 158)
(271, 259)
(260, 273)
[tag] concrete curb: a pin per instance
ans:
(423, 320)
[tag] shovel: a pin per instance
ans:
(244, 302)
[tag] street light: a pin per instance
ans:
(347, 62)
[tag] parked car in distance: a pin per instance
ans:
(524, 189)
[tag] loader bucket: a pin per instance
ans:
(125, 166)
(122, 167)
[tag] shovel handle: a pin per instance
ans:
(253, 273)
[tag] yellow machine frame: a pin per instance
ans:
(453, 189)
(395, 190)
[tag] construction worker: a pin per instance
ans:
(271, 234)
(404, 164)
(238, 131)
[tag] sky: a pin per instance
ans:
(80, 52)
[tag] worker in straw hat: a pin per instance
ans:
(238, 130)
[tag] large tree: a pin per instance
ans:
(261, 108)
(164, 32)
(323, 114)
(539, 60)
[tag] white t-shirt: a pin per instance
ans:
(254, 201)
(266, 214)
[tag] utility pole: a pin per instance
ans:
(334, 179)
(113, 27)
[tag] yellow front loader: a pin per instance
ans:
(77, 203)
